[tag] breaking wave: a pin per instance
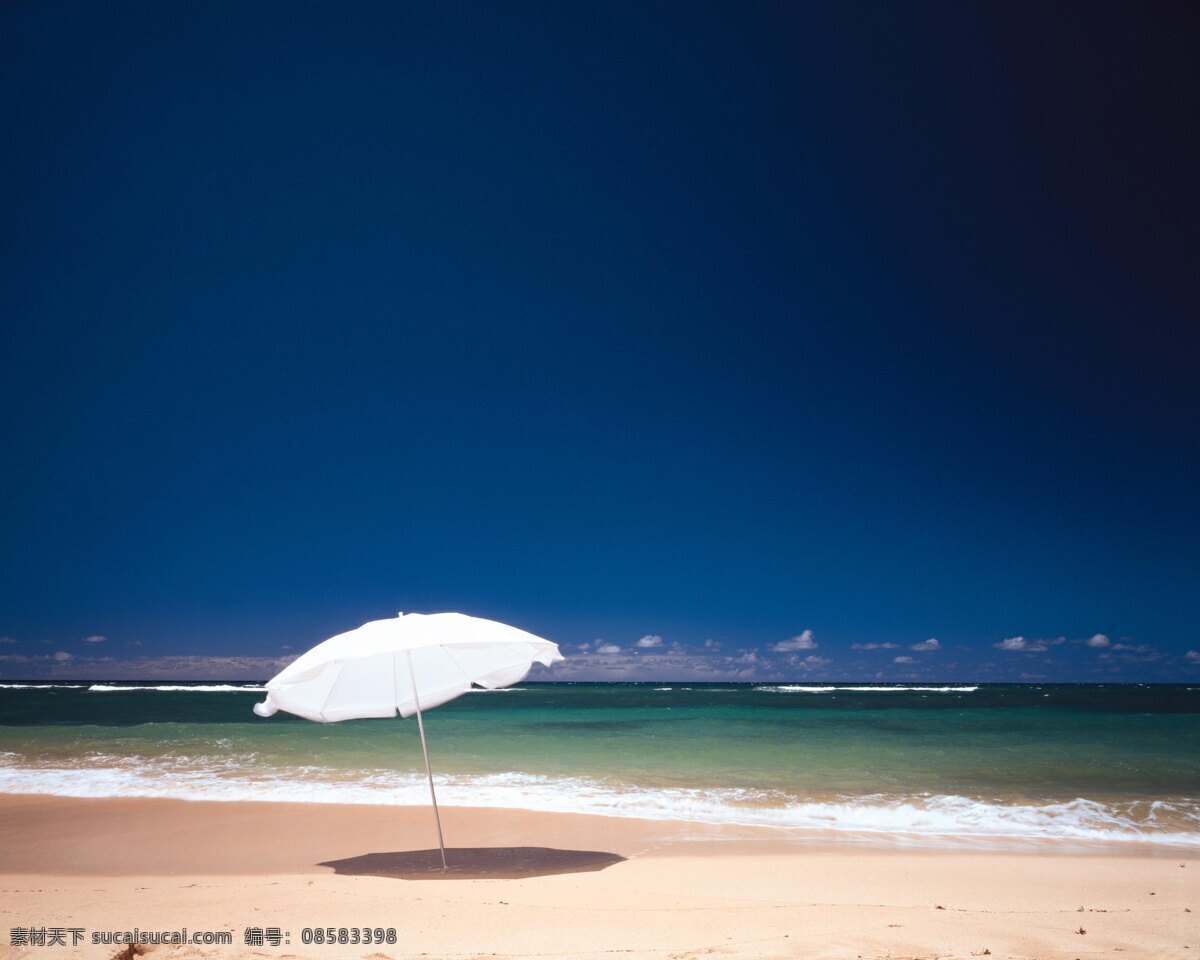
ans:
(795, 688)
(497, 690)
(935, 818)
(41, 686)
(180, 688)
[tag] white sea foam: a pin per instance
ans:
(180, 688)
(929, 818)
(41, 686)
(498, 690)
(796, 688)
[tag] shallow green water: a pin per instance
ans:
(1050, 760)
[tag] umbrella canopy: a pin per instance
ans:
(404, 666)
(409, 663)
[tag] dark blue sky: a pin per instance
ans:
(702, 322)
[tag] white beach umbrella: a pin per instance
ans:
(404, 665)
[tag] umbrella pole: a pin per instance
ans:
(428, 771)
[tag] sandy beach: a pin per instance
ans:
(524, 884)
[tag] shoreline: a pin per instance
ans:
(809, 834)
(532, 884)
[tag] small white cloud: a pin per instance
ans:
(62, 656)
(1097, 640)
(1192, 656)
(7, 640)
(712, 644)
(803, 641)
(586, 645)
(904, 660)
(650, 640)
(133, 643)
(1142, 652)
(930, 644)
(1019, 643)
(874, 646)
(94, 638)
(607, 648)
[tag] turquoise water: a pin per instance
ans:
(1079, 762)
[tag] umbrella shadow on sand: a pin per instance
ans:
(474, 863)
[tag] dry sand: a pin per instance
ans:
(554, 885)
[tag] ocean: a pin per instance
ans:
(935, 764)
